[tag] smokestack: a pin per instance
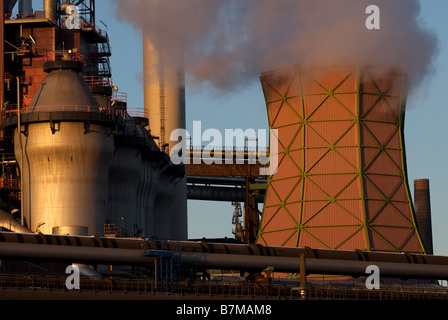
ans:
(164, 98)
(164, 90)
(26, 7)
(423, 212)
(50, 9)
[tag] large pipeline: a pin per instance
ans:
(100, 250)
(97, 255)
(215, 247)
(7, 221)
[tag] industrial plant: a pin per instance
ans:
(89, 183)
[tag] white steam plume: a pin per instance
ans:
(228, 43)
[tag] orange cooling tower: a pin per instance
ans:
(341, 181)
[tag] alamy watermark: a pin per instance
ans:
(72, 281)
(241, 146)
(373, 280)
(73, 19)
(373, 20)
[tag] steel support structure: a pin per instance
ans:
(244, 170)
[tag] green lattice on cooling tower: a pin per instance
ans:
(341, 181)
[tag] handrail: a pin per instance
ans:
(98, 81)
(23, 15)
(10, 183)
(120, 96)
(11, 110)
(138, 112)
(62, 55)
(92, 25)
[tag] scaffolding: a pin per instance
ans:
(167, 267)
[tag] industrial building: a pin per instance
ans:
(88, 181)
(97, 169)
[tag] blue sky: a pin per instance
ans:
(425, 132)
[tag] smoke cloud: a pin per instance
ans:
(228, 43)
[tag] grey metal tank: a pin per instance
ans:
(124, 177)
(63, 149)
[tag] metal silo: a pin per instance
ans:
(341, 182)
(63, 146)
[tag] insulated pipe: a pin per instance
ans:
(313, 265)
(96, 255)
(219, 194)
(239, 156)
(7, 221)
(65, 241)
(232, 181)
(224, 248)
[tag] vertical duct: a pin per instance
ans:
(124, 176)
(50, 9)
(423, 212)
(25, 7)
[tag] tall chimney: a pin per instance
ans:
(164, 98)
(26, 7)
(50, 9)
(423, 212)
(164, 90)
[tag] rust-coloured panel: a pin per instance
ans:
(341, 181)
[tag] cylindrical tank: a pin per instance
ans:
(179, 223)
(422, 205)
(124, 176)
(162, 218)
(64, 164)
(64, 175)
(147, 191)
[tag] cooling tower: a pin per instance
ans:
(341, 182)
